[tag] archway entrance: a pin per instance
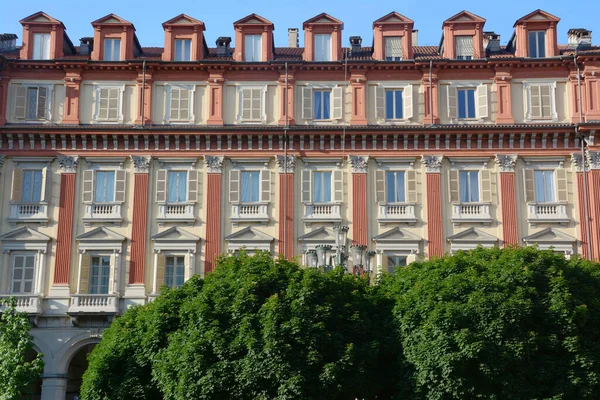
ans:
(77, 367)
(34, 390)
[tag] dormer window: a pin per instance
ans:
(537, 44)
(393, 48)
(253, 48)
(464, 47)
(322, 47)
(253, 39)
(183, 49)
(112, 49)
(41, 46)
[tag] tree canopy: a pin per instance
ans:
(16, 371)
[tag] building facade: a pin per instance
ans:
(125, 168)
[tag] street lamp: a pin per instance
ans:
(323, 256)
(312, 258)
(341, 237)
(362, 259)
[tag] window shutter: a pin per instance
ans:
(103, 103)
(42, 102)
(561, 185)
(85, 273)
(452, 102)
(246, 104)
(160, 271)
(453, 186)
(337, 107)
(17, 184)
(407, 99)
(393, 47)
(338, 186)
(184, 104)
(234, 186)
(529, 185)
(388, 47)
(546, 103)
(174, 104)
(307, 103)
(535, 105)
(256, 108)
(486, 186)
(161, 186)
(379, 102)
(88, 186)
(464, 46)
(482, 98)
(113, 104)
(411, 184)
(306, 177)
(21, 102)
(265, 185)
(192, 195)
(46, 184)
(120, 177)
(380, 185)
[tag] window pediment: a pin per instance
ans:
(471, 238)
(24, 238)
(250, 238)
(100, 238)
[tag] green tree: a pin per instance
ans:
(500, 324)
(16, 373)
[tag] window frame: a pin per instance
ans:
(467, 90)
(181, 57)
(96, 180)
(322, 92)
(168, 102)
(49, 96)
(42, 183)
(323, 57)
(387, 189)
(385, 48)
(96, 116)
(481, 89)
(241, 88)
(176, 255)
(110, 56)
(528, 85)
(250, 171)
(456, 47)
(394, 106)
(178, 171)
(392, 254)
(255, 53)
(468, 172)
(554, 185)
(34, 283)
(537, 43)
(44, 52)
(111, 261)
(331, 184)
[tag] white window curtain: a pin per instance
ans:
(322, 47)
(544, 186)
(105, 187)
(183, 49)
(177, 187)
(112, 49)
(250, 186)
(32, 186)
(41, 46)
(322, 187)
(396, 191)
(253, 48)
(469, 186)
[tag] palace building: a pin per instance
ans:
(124, 168)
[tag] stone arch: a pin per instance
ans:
(67, 352)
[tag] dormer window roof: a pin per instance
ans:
(253, 39)
(184, 39)
(323, 38)
(462, 37)
(392, 37)
(535, 36)
(114, 39)
(44, 38)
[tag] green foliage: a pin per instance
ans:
(16, 373)
(500, 324)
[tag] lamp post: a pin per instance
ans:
(341, 237)
(324, 256)
(362, 260)
(312, 258)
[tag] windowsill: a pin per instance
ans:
(178, 122)
(97, 121)
(33, 121)
(250, 212)
(541, 120)
(467, 121)
(102, 212)
(471, 212)
(394, 121)
(253, 121)
(28, 212)
(396, 212)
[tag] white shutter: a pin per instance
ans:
(88, 186)
(411, 185)
(256, 108)
(546, 102)
(234, 186)
(120, 177)
(528, 180)
(246, 104)
(486, 186)
(452, 102)
(21, 102)
(379, 102)
(46, 184)
(482, 101)
(407, 100)
(113, 104)
(535, 102)
(161, 186)
(265, 185)
(306, 177)
(338, 185)
(17, 184)
(338, 105)
(307, 103)
(103, 94)
(192, 195)
(84, 277)
(453, 188)
(42, 102)
(561, 185)
(174, 104)
(380, 185)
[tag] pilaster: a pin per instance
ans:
(72, 87)
(66, 211)
(290, 98)
(435, 226)
(286, 205)
(359, 166)
(508, 199)
(359, 98)
(215, 98)
(577, 161)
(593, 158)
(213, 207)
(139, 222)
(3, 98)
(144, 94)
(431, 115)
(54, 387)
(592, 93)
(504, 110)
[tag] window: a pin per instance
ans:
(112, 49)
(322, 47)
(393, 48)
(23, 274)
(537, 44)
(100, 275)
(322, 101)
(108, 105)
(469, 186)
(322, 104)
(394, 262)
(32, 186)
(544, 186)
(179, 105)
(322, 187)
(466, 103)
(250, 186)
(395, 186)
(32, 103)
(174, 271)
(251, 104)
(177, 187)
(464, 47)
(540, 102)
(183, 49)
(253, 48)
(105, 187)
(41, 46)
(393, 104)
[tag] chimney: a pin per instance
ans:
(580, 38)
(491, 42)
(293, 38)
(86, 45)
(356, 44)
(8, 41)
(223, 43)
(415, 37)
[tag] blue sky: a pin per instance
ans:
(358, 16)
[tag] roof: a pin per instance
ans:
(8, 36)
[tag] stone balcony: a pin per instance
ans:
(90, 304)
(28, 303)
(539, 213)
(471, 213)
(396, 212)
(322, 212)
(175, 212)
(102, 212)
(28, 212)
(251, 212)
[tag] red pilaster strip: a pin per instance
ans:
(286, 215)
(583, 223)
(213, 221)
(510, 230)
(359, 208)
(139, 225)
(64, 236)
(594, 193)
(435, 227)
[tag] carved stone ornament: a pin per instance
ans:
(577, 162)
(284, 164)
(433, 164)
(214, 164)
(359, 164)
(506, 162)
(141, 165)
(593, 159)
(68, 164)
